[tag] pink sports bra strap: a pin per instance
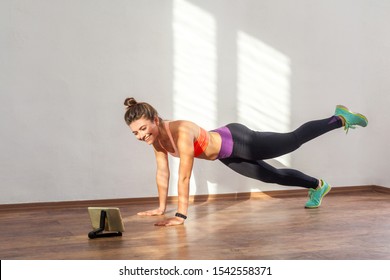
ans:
(176, 153)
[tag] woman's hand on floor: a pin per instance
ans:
(155, 212)
(175, 221)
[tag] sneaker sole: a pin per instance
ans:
(319, 204)
(356, 114)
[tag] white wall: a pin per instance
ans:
(67, 66)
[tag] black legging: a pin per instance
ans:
(250, 148)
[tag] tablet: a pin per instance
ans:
(113, 220)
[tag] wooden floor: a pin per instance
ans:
(349, 225)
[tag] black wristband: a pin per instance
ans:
(180, 215)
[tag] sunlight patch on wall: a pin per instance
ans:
(195, 71)
(195, 64)
(263, 87)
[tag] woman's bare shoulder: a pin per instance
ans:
(183, 126)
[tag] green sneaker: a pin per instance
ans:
(351, 119)
(316, 195)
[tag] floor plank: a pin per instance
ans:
(348, 225)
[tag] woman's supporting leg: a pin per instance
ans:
(265, 172)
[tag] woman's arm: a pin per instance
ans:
(186, 150)
(162, 180)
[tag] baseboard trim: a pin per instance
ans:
(193, 199)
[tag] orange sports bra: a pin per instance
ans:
(200, 143)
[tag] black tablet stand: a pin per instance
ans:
(100, 231)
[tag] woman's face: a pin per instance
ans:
(145, 130)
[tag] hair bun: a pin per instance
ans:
(129, 102)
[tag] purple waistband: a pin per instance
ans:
(227, 142)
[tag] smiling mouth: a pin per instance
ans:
(147, 136)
